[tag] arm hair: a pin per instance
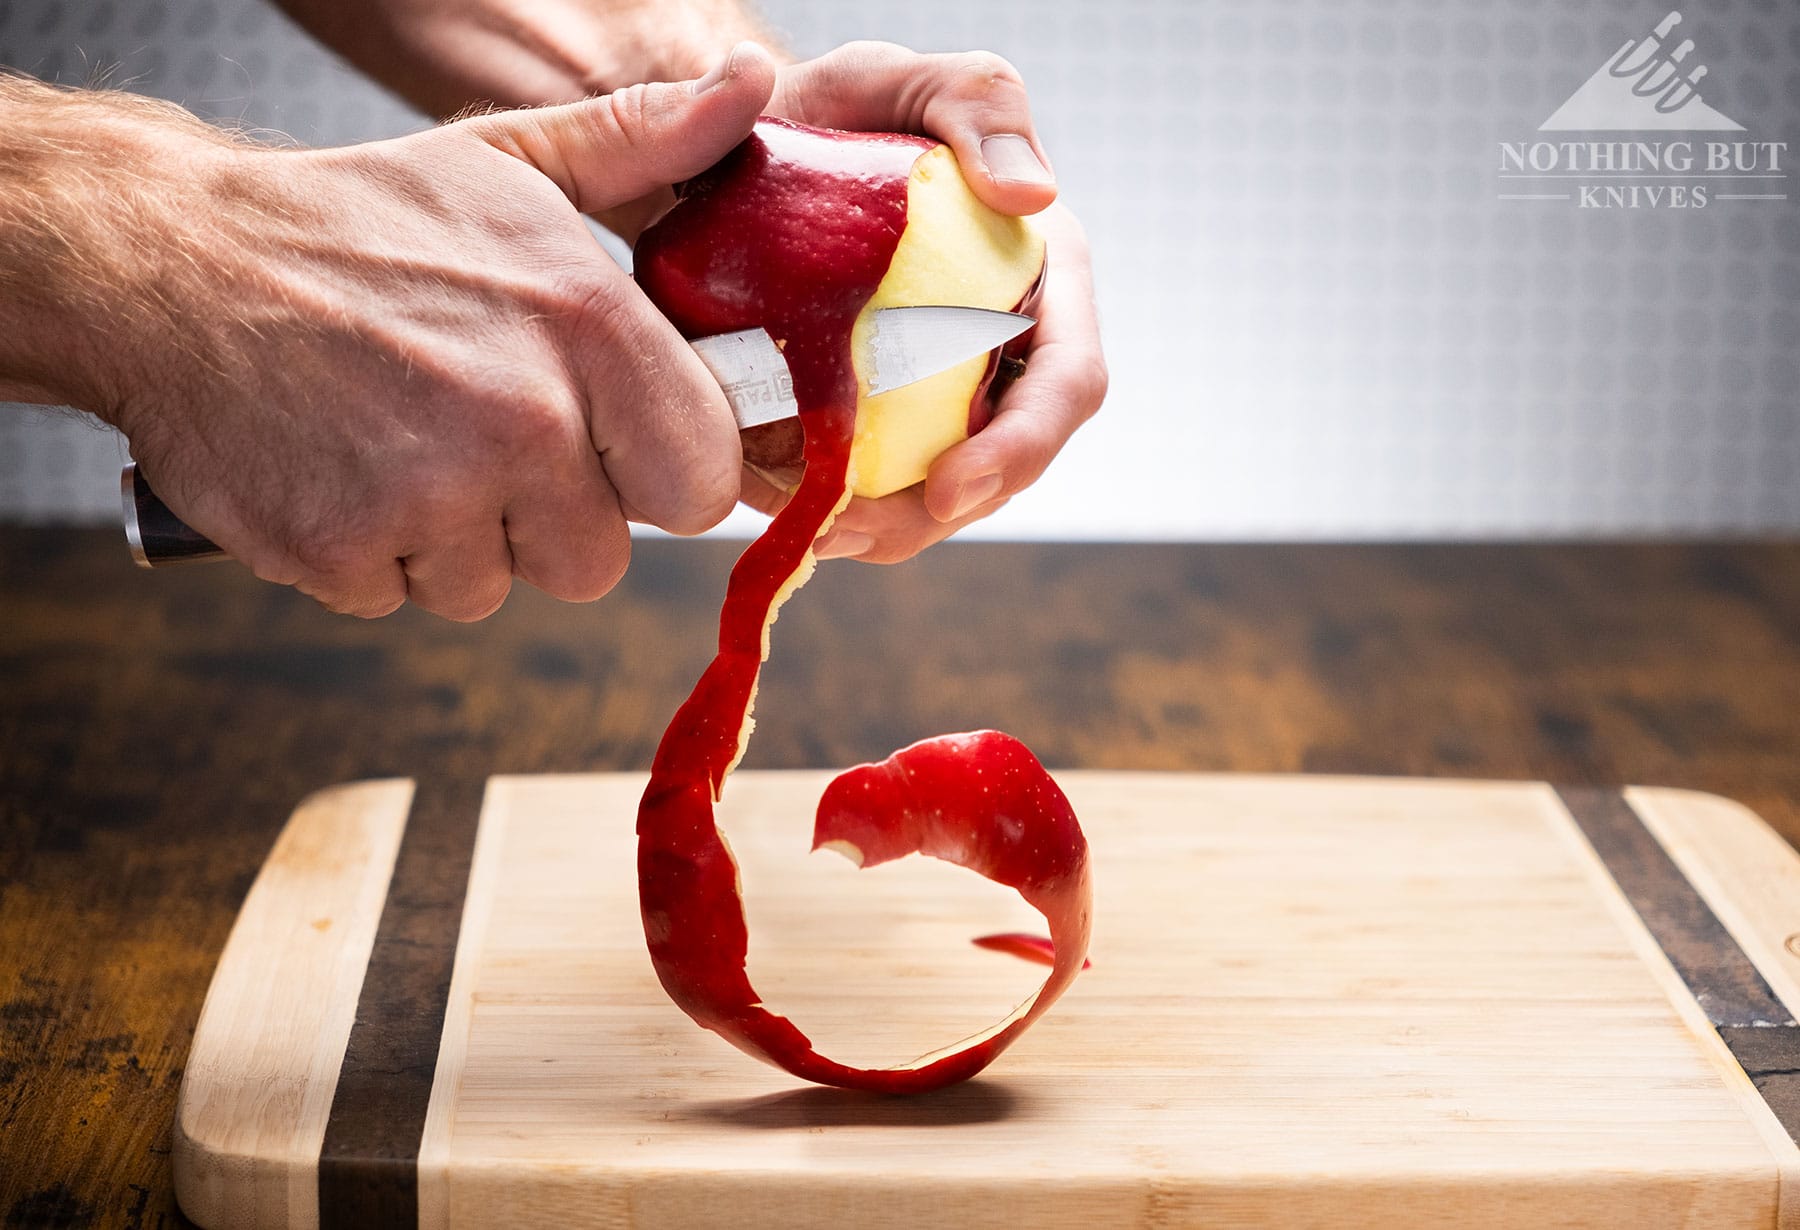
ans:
(94, 185)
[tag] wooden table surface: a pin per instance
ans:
(157, 728)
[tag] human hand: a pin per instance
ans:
(446, 53)
(405, 369)
(975, 103)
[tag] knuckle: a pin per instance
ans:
(1071, 238)
(582, 304)
(716, 490)
(894, 550)
(325, 555)
(1092, 380)
(476, 605)
(587, 586)
(606, 569)
(275, 566)
(861, 58)
(1032, 444)
(841, 77)
(1033, 460)
(535, 427)
(710, 479)
(341, 570)
(416, 501)
(380, 608)
(695, 516)
(334, 603)
(872, 48)
(723, 501)
(983, 74)
(628, 109)
(601, 569)
(594, 298)
(587, 565)
(983, 512)
(467, 601)
(358, 605)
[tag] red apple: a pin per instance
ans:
(802, 230)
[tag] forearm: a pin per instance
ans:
(392, 371)
(445, 56)
(98, 191)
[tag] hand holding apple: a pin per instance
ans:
(1062, 386)
(976, 103)
(810, 233)
(447, 55)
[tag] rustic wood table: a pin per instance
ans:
(156, 729)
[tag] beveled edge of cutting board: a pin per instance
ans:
(223, 1181)
(1746, 873)
(1711, 838)
(1711, 978)
(262, 1171)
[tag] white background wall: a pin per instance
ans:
(1321, 319)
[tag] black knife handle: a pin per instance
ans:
(154, 533)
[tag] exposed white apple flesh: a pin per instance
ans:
(954, 251)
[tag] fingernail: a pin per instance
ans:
(842, 544)
(1011, 159)
(717, 74)
(975, 493)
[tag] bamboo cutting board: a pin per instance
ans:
(1312, 1000)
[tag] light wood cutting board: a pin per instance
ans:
(1312, 1000)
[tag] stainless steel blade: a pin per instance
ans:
(907, 344)
(911, 343)
(749, 368)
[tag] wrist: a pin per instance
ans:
(596, 48)
(653, 41)
(96, 198)
(445, 56)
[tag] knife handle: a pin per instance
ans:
(154, 533)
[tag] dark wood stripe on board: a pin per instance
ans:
(1751, 1019)
(368, 1166)
(1771, 1059)
(1722, 978)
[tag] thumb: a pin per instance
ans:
(609, 150)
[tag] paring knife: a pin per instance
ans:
(906, 345)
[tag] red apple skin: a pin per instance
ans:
(791, 223)
(791, 232)
(794, 233)
(776, 446)
(1006, 364)
(782, 234)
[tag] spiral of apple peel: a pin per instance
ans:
(980, 800)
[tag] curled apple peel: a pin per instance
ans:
(1037, 949)
(806, 232)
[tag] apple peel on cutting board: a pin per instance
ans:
(807, 233)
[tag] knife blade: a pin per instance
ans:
(905, 345)
(910, 343)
